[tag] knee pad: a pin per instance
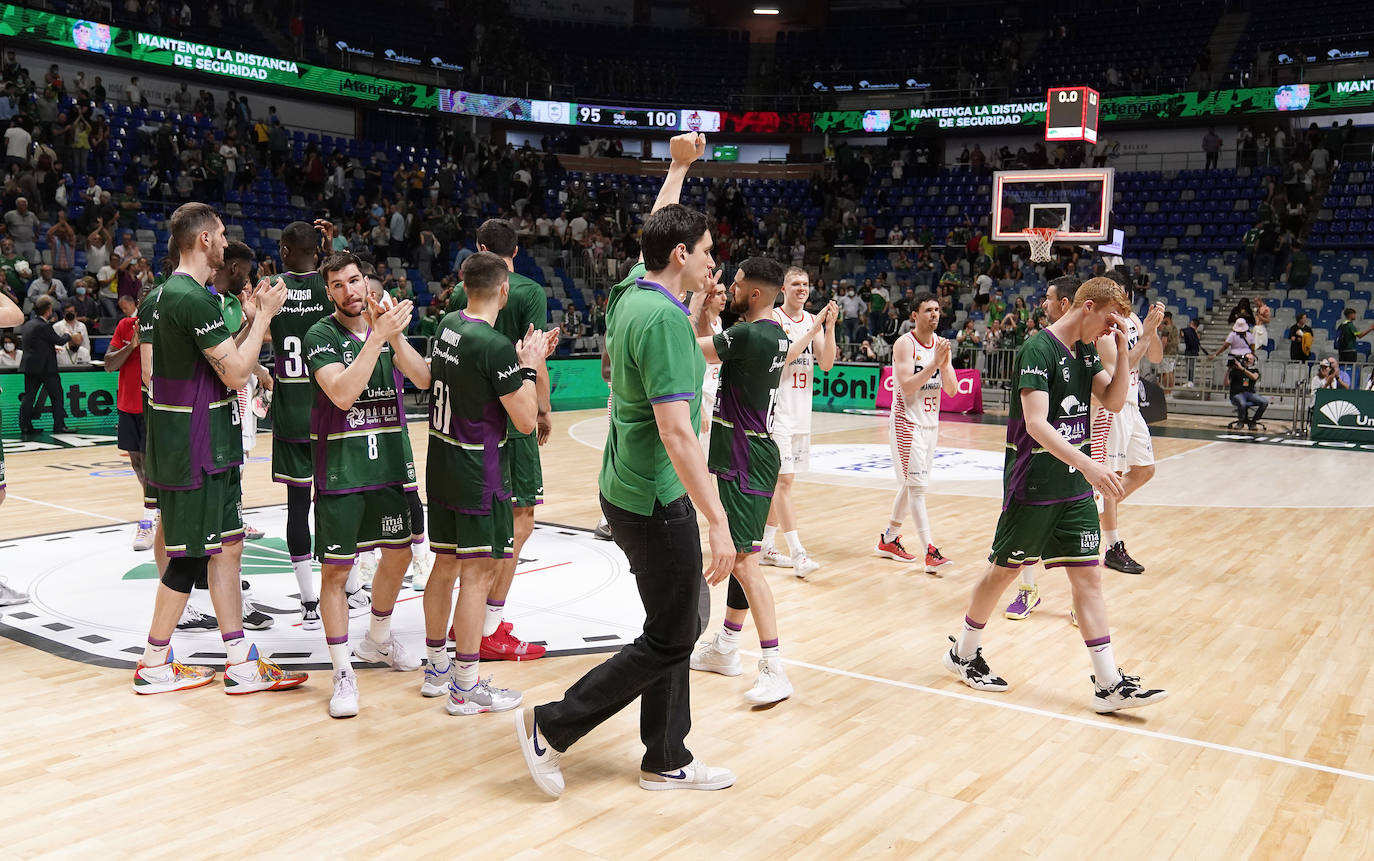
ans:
(735, 598)
(417, 512)
(183, 572)
(298, 520)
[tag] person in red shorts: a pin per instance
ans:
(124, 356)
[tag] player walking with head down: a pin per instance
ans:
(792, 418)
(361, 463)
(483, 384)
(744, 458)
(1047, 508)
(921, 369)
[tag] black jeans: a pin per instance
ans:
(35, 385)
(664, 551)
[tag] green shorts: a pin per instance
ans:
(747, 514)
(1063, 534)
(473, 536)
(2, 467)
(292, 463)
(200, 522)
(526, 473)
(360, 520)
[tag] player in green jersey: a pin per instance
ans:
(483, 385)
(527, 306)
(745, 460)
(307, 302)
(356, 358)
(194, 449)
(1047, 506)
(652, 474)
(10, 315)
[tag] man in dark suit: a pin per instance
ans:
(39, 366)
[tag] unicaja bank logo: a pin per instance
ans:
(1339, 410)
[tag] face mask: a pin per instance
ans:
(81, 291)
(69, 316)
(9, 348)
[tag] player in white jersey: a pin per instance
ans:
(1128, 449)
(921, 370)
(792, 418)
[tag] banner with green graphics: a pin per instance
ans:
(88, 397)
(1342, 415)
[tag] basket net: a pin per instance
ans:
(1041, 241)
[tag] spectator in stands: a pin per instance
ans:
(967, 344)
(1242, 311)
(851, 307)
(98, 248)
(45, 285)
(87, 308)
(62, 243)
(1242, 374)
(1299, 268)
(14, 268)
(1330, 376)
(1168, 337)
(1238, 341)
(10, 354)
(77, 350)
(1348, 337)
(22, 225)
(17, 144)
(1300, 339)
(1259, 333)
(1192, 348)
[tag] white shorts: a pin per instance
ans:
(795, 452)
(913, 452)
(1128, 441)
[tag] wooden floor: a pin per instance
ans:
(1253, 613)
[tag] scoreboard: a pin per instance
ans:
(1071, 114)
(624, 117)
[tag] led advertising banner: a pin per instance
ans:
(126, 44)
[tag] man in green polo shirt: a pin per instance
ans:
(1348, 337)
(651, 466)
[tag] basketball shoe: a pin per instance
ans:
(772, 685)
(505, 646)
(421, 561)
(1027, 599)
(195, 619)
(483, 697)
(973, 671)
(934, 559)
(771, 556)
(711, 658)
(9, 596)
(359, 598)
(1125, 694)
(1117, 559)
(893, 550)
(803, 564)
(344, 702)
(391, 653)
(543, 762)
(436, 683)
(694, 775)
(252, 533)
(310, 616)
(259, 674)
(253, 618)
(143, 535)
(603, 530)
(171, 676)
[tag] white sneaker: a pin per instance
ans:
(771, 556)
(436, 683)
(481, 698)
(310, 616)
(391, 653)
(541, 759)
(143, 535)
(359, 599)
(344, 703)
(772, 685)
(10, 596)
(421, 561)
(367, 565)
(695, 775)
(803, 564)
(711, 658)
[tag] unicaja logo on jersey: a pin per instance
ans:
(1071, 405)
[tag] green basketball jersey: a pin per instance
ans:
(1033, 476)
(307, 302)
(525, 306)
(364, 446)
(192, 417)
(473, 366)
(147, 312)
(752, 356)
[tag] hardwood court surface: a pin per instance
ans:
(1253, 613)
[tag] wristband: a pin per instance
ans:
(529, 374)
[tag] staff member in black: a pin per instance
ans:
(39, 367)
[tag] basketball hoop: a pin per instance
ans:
(1041, 240)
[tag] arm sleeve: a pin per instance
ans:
(503, 368)
(320, 350)
(1033, 370)
(664, 353)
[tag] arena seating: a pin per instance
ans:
(1344, 219)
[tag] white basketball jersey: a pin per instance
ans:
(925, 411)
(1134, 328)
(710, 384)
(792, 407)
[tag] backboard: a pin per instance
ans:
(1078, 203)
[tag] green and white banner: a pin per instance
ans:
(1343, 415)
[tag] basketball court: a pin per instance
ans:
(1246, 613)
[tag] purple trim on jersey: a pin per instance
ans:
(489, 430)
(345, 490)
(1017, 476)
(1084, 564)
(654, 285)
(1080, 496)
(738, 477)
(195, 394)
(291, 482)
(680, 396)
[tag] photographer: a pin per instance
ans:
(1330, 376)
(1242, 376)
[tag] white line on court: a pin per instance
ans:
(1082, 721)
(65, 508)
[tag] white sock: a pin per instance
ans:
(496, 610)
(1104, 664)
(438, 657)
(379, 628)
(767, 652)
(305, 580)
(150, 513)
(353, 584)
(236, 651)
(340, 656)
(794, 545)
(465, 674)
(770, 535)
(728, 641)
(916, 499)
(969, 641)
(1110, 537)
(892, 533)
(1028, 576)
(156, 656)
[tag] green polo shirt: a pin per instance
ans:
(654, 359)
